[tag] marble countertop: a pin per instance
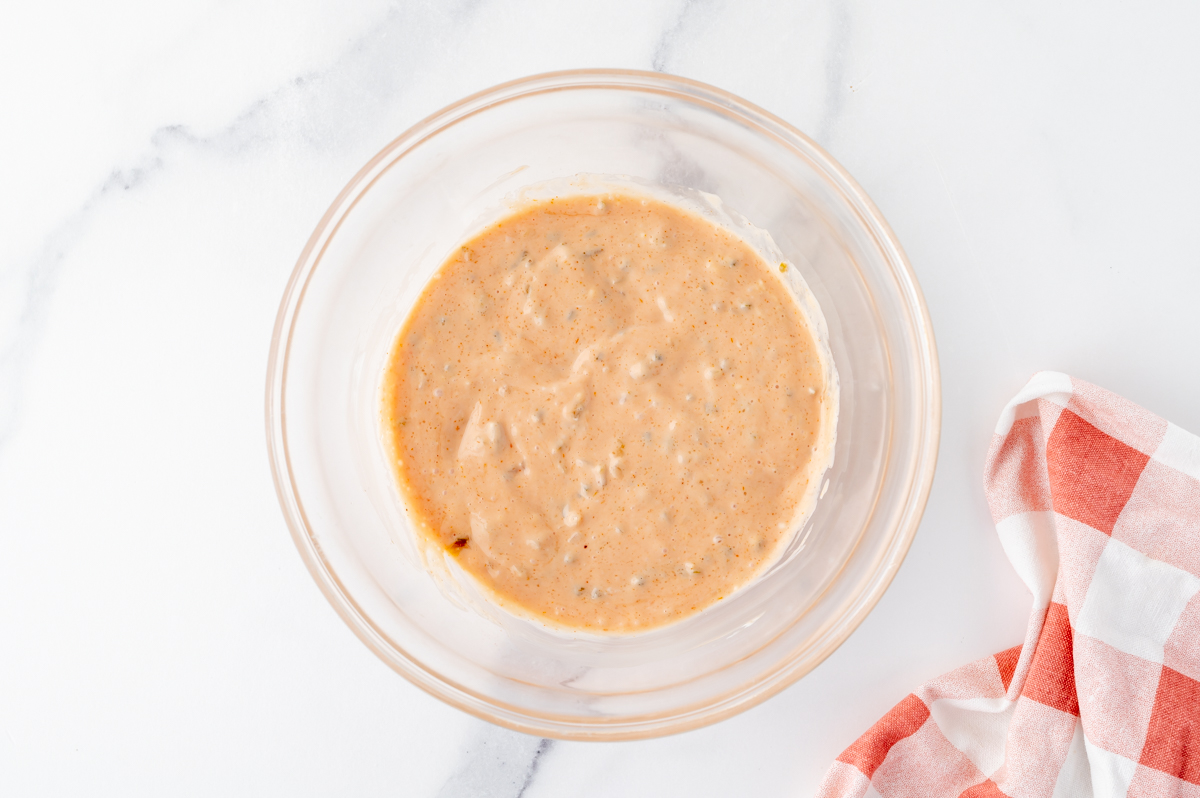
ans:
(163, 165)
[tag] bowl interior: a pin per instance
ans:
(365, 267)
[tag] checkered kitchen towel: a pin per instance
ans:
(1097, 503)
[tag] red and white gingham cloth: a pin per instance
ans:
(1097, 503)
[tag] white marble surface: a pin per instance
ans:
(163, 164)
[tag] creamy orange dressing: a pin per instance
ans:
(609, 409)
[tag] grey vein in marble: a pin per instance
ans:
(667, 42)
(835, 71)
(498, 763)
(315, 108)
(39, 279)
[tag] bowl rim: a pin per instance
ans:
(746, 695)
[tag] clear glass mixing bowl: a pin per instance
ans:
(363, 269)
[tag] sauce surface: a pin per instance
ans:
(609, 409)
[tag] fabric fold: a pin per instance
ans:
(1097, 505)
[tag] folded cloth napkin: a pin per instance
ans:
(1097, 503)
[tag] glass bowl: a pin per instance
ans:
(361, 272)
